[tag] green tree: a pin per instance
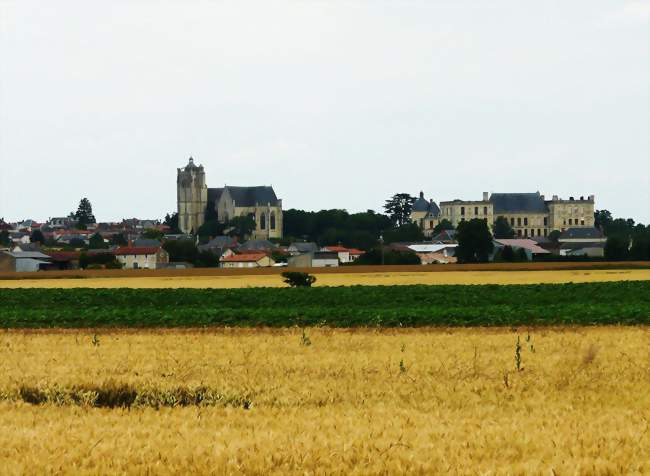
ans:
(399, 208)
(474, 241)
(617, 247)
(602, 218)
(5, 240)
(554, 236)
(153, 234)
(640, 249)
(118, 239)
(210, 229)
(405, 233)
(507, 254)
(241, 226)
(502, 228)
(96, 242)
(389, 257)
(84, 214)
(181, 250)
(171, 220)
(37, 237)
(442, 226)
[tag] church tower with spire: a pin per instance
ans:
(192, 197)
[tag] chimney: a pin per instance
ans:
(485, 196)
(555, 198)
(542, 197)
(582, 198)
(592, 198)
(571, 198)
(421, 194)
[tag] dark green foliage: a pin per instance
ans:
(206, 259)
(640, 249)
(404, 233)
(98, 261)
(241, 227)
(333, 227)
(554, 236)
(520, 255)
(296, 279)
(77, 243)
(37, 237)
(398, 207)
(443, 225)
(84, 214)
(391, 257)
(96, 242)
(602, 218)
(485, 305)
(171, 220)
(506, 254)
(5, 240)
(181, 250)
(616, 248)
(118, 239)
(209, 230)
(502, 228)
(474, 241)
(153, 234)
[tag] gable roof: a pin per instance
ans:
(445, 235)
(244, 258)
(524, 243)
(252, 196)
(214, 194)
(134, 250)
(518, 202)
(581, 233)
(304, 247)
(146, 243)
(424, 205)
(257, 245)
(27, 254)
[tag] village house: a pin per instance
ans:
(247, 260)
(23, 261)
(132, 257)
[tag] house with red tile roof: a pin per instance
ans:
(247, 260)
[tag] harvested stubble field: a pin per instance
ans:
(489, 273)
(326, 401)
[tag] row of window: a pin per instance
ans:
(574, 221)
(263, 221)
(485, 210)
(525, 221)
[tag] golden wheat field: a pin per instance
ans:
(341, 279)
(323, 401)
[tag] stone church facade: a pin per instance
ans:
(196, 201)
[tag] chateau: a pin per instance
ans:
(196, 202)
(529, 214)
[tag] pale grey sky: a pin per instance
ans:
(337, 104)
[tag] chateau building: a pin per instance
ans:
(196, 202)
(529, 214)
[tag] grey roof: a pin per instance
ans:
(27, 254)
(223, 241)
(252, 196)
(214, 194)
(445, 235)
(29, 247)
(581, 233)
(581, 245)
(146, 243)
(518, 202)
(257, 245)
(304, 247)
(424, 205)
(325, 255)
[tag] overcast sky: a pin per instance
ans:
(337, 104)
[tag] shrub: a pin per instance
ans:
(296, 279)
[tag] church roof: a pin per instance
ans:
(252, 196)
(518, 202)
(423, 205)
(214, 194)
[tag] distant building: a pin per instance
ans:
(247, 260)
(196, 202)
(301, 247)
(426, 214)
(132, 257)
(23, 261)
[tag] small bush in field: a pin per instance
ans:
(296, 279)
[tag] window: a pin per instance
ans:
(525, 231)
(582, 222)
(475, 210)
(462, 210)
(518, 232)
(532, 232)
(263, 221)
(526, 221)
(484, 210)
(570, 221)
(518, 221)
(545, 232)
(545, 221)
(512, 222)
(539, 232)
(272, 220)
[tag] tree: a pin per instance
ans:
(118, 239)
(507, 254)
(153, 234)
(502, 228)
(96, 242)
(554, 236)
(171, 220)
(37, 237)
(210, 229)
(399, 208)
(84, 214)
(640, 249)
(77, 243)
(442, 226)
(5, 240)
(617, 247)
(404, 233)
(602, 218)
(474, 241)
(241, 226)
(181, 250)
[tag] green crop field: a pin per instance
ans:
(470, 305)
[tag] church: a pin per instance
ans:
(196, 202)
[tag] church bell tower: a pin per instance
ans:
(192, 197)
